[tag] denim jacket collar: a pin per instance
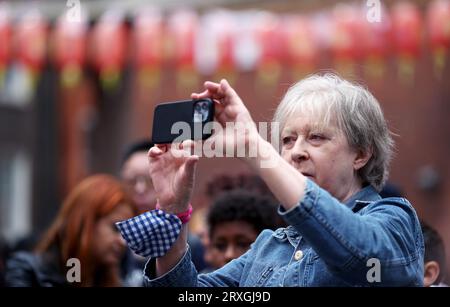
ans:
(362, 198)
(289, 233)
(359, 200)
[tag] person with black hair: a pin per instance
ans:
(245, 181)
(234, 221)
(434, 260)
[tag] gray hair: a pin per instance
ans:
(356, 111)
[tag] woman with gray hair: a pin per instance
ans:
(334, 157)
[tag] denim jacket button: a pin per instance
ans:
(298, 255)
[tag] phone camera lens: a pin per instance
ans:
(201, 112)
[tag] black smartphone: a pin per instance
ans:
(182, 120)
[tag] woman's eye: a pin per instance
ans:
(316, 137)
(287, 140)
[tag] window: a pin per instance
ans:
(15, 192)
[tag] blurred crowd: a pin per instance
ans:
(79, 82)
(240, 208)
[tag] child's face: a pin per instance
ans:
(229, 241)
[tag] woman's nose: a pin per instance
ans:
(299, 152)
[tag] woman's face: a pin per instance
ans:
(108, 245)
(324, 156)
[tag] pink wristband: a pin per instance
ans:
(183, 216)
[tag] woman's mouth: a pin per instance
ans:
(307, 174)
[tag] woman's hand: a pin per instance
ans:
(230, 109)
(285, 182)
(172, 169)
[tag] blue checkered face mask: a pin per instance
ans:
(152, 233)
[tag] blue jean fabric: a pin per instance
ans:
(368, 241)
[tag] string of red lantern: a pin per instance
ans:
(5, 39)
(109, 42)
(272, 40)
(148, 45)
(438, 29)
(69, 41)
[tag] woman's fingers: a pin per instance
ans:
(221, 91)
(187, 144)
(210, 91)
(183, 149)
(189, 167)
(219, 111)
(211, 86)
(163, 147)
(227, 91)
(156, 151)
(192, 161)
(204, 94)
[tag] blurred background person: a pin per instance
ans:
(136, 177)
(245, 181)
(247, 185)
(391, 190)
(3, 256)
(234, 222)
(84, 229)
(434, 260)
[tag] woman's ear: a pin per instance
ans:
(431, 273)
(362, 157)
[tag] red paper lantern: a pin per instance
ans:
(109, 43)
(226, 43)
(407, 29)
(438, 24)
(69, 43)
(148, 39)
(214, 51)
(302, 49)
(376, 37)
(376, 44)
(5, 38)
(182, 28)
(269, 34)
(31, 40)
(346, 28)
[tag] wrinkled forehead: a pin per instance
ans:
(312, 113)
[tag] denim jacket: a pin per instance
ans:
(327, 243)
